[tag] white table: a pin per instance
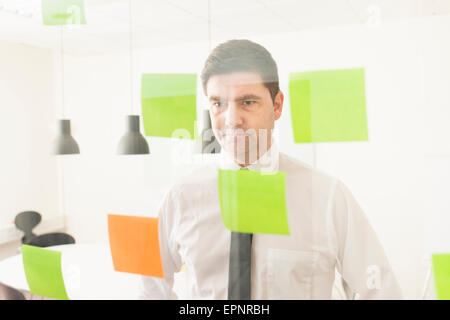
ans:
(88, 274)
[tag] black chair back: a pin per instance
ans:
(26, 221)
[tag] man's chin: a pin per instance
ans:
(238, 155)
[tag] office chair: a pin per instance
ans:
(27, 220)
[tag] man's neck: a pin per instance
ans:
(259, 155)
(268, 161)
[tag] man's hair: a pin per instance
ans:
(242, 55)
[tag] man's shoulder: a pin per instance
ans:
(314, 179)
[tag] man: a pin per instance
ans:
(328, 230)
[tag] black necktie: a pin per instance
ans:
(239, 272)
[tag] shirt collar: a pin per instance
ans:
(268, 162)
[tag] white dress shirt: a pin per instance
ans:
(328, 232)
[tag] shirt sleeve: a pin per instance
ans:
(361, 259)
(152, 288)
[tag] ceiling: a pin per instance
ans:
(159, 23)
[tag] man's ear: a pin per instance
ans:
(278, 105)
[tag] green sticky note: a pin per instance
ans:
(169, 105)
(62, 12)
(328, 106)
(251, 202)
(43, 272)
(441, 270)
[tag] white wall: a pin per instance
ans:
(436, 149)
(28, 173)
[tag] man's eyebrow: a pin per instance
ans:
(240, 98)
(248, 97)
(214, 98)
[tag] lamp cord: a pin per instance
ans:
(131, 55)
(209, 25)
(62, 72)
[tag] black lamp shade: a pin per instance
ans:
(132, 142)
(64, 143)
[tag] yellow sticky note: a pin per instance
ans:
(441, 270)
(251, 202)
(328, 105)
(169, 105)
(63, 12)
(43, 272)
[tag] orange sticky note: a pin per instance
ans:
(134, 245)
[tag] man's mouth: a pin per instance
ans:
(236, 133)
(232, 135)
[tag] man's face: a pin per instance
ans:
(242, 114)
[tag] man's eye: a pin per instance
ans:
(249, 102)
(218, 104)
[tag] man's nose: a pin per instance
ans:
(233, 116)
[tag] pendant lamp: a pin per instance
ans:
(64, 143)
(132, 142)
